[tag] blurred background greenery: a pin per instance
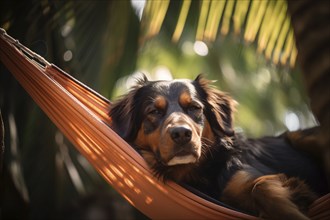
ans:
(247, 46)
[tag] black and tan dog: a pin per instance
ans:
(184, 130)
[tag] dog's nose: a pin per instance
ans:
(181, 135)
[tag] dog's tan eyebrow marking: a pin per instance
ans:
(185, 98)
(160, 102)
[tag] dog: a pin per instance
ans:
(184, 130)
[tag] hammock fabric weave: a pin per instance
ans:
(81, 115)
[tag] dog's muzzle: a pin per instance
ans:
(184, 138)
(184, 151)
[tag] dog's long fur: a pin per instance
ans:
(184, 130)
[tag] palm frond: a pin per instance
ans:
(216, 9)
(181, 20)
(153, 16)
(265, 23)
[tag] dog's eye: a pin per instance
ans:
(155, 112)
(195, 108)
(195, 111)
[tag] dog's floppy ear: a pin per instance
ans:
(124, 112)
(219, 107)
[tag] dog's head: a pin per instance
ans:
(173, 123)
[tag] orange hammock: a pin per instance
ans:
(81, 115)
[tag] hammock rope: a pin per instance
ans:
(81, 115)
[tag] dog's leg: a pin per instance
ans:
(274, 199)
(266, 195)
(313, 142)
(308, 141)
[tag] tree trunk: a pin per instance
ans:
(310, 21)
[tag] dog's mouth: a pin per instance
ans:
(183, 157)
(182, 160)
